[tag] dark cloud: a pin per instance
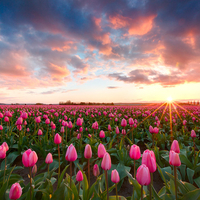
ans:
(112, 87)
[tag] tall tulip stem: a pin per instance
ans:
(106, 177)
(194, 148)
(175, 182)
(30, 183)
(70, 174)
(59, 161)
(4, 171)
(116, 191)
(141, 192)
(89, 172)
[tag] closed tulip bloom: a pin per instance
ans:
(71, 154)
(2, 152)
(88, 152)
(29, 158)
(184, 122)
(117, 130)
(175, 146)
(102, 134)
(6, 119)
(134, 152)
(115, 176)
(1, 127)
(6, 146)
(27, 129)
(174, 158)
(130, 121)
(1, 115)
(101, 150)
(15, 191)
(62, 130)
(70, 125)
(47, 121)
(57, 139)
(193, 134)
(79, 122)
(123, 131)
(96, 170)
(19, 121)
(49, 158)
(106, 162)
(143, 175)
(156, 130)
(34, 169)
(78, 136)
(151, 129)
(39, 132)
(148, 158)
(79, 176)
(109, 127)
(123, 122)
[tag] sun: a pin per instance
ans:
(169, 99)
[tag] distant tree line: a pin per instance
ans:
(83, 103)
(193, 103)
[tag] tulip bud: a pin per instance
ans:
(88, 152)
(143, 175)
(57, 139)
(71, 154)
(101, 150)
(193, 134)
(175, 146)
(106, 162)
(96, 170)
(79, 176)
(174, 158)
(15, 191)
(29, 158)
(102, 134)
(115, 176)
(149, 159)
(49, 158)
(135, 152)
(2, 152)
(39, 132)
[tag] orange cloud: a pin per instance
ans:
(67, 45)
(138, 26)
(58, 72)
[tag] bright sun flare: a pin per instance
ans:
(169, 99)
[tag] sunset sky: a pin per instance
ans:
(99, 50)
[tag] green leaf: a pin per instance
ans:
(115, 197)
(197, 181)
(183, 169)
(61, 176)
(190, 174)
(192, 195)
(185, 160)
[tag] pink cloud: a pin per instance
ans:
(136, 26)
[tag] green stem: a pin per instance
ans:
(106, 177)
(59, 161)
(134, 168)
(48, 168)
(89, 172)
(150, 186)
(66, 134)
(175, 183)
(70, 174)
(79, 184)
(116, 191)
(4, 171)
(194, 149)
(30, 183)
(152, 140)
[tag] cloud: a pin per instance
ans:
(112, 87)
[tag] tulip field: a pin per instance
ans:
(100, 152)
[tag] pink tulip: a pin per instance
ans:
(135, 152)
(71, 154)
(47, 121)
(109, 127)
(79, 122)
(15, 191)
(123, 131)
(89, 135)
(115, 176)
(27, 129)
(79, 176)
(130, 121)
(6, 146)
(123, 122)
(96, 170)
(1, 127)
(88, 152)
(175, 146)
(151, 129)
(193, 134)
(143, 175)
(39, 132)
(102, 134)
(62, 130)
(117, 130)
(29, 158)
(1, 115)
(6, 119)
(174, 158)
(57, 139)
(101, 150)
(106, 162)
(155, 130)
(184, 122)
(49, 158)
(78, 136)
(70, 125)
(34, 169)
(2, 152)
(148, 158)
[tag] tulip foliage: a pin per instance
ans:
(93, 152)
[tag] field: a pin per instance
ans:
(88, 143)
